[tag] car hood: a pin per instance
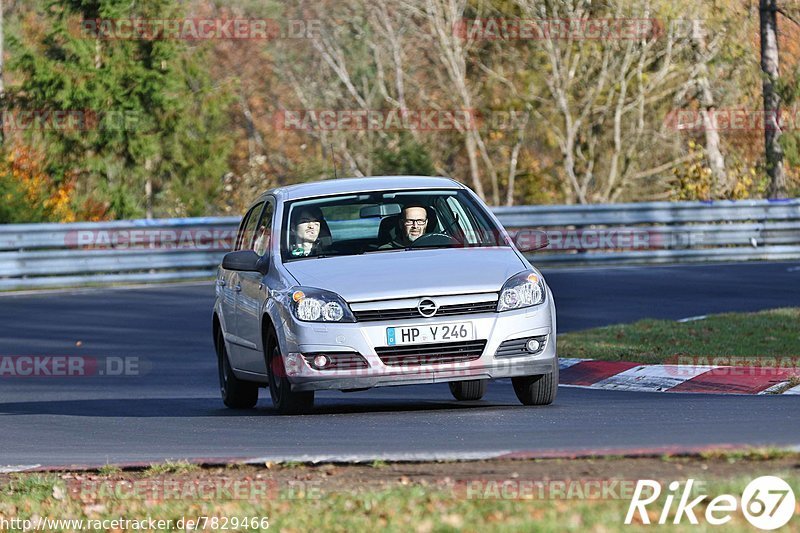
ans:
(409, 273)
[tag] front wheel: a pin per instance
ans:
(284, 399)
(537, 390)
(236, 394)
(472, 389)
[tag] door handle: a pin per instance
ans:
(237, 288)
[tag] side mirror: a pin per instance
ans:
(245, 261)
(530, 240)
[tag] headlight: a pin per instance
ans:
(522, 290)
(317, 305)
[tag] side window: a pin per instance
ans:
(248, 229)
(463, 221)
(264, 229)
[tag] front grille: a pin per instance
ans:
(428, 354)
(445, 310)
(517, 347)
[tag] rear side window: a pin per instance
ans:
(247, 231)
(264, 230)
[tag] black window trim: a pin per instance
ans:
(245, 219)
(268, 200)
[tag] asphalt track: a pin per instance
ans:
(171, 410)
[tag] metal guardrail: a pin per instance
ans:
(663, 232)
(126, 251)
(85, 253)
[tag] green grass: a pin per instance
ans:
(109, 470)
(170, 467)
(411, 508)
(742, 455)
(748, 454)
(766, 338)
(32, 487)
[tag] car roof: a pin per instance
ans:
(357, 185)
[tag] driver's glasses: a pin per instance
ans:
(415, 221)
(308, 221)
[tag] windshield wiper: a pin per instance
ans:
(434, 247)
(384, 250)
(315, 256)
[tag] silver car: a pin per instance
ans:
(350, 284)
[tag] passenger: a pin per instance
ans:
(262, 240)
(411, 226)
(306, 231)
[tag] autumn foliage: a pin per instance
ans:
(29, 195)
(562, 120)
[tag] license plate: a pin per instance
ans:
(428, 334)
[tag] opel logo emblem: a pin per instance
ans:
(427, 307)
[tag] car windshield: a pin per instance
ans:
(385, 221)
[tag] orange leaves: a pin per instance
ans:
(34, 195)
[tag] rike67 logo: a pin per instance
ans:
(767, 502)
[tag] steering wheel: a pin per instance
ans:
(433, 239)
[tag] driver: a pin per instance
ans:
(411, 226)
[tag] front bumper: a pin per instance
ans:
(363, 338)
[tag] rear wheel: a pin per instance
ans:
(236, 393)
(537, 390)
(284, 399)
(472, 389)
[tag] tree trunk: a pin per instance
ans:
(255, 143)
(148, 198)
(514, 159)
(568, 150)
(148, 189)
(2, 85)
(716, 161)
(475, 174)
(98, 54)
(769, 66)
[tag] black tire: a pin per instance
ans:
(236, 393)
(472, 389)
(537, 390)
(284, 399)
